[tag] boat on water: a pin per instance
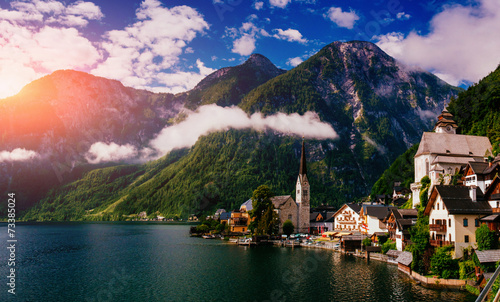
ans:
(208, 236)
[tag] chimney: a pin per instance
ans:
(472, 193)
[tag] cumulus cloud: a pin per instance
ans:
(17, 155)
(140, 55)
(34, 41)
(290, 35)
(211, 118)
(102, 152)
(342, 19)
(279, 3)
(244, 45)
(258, 5)
(403, 16)
(461, 46)
(294, 61)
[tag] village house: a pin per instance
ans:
(321, 222)
(239, 221)
(373, 216)
(347, 218)
(492, 195)
(481, 174)
(398, 224)
(443, 153)
(454, 215)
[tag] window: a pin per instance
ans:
(498, 204)
(298, 192)
(305, 192)
(449, 222)
(466, 238)
(476, 223)
(290, 216)
(437, 206)
(466, 222)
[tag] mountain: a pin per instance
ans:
(227, 86)
(61, 115)
(378, 106)
(477, 110)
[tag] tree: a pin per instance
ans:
(265, 218)
(485, 238)
(261, 199)
(288, 227)
(420, 238)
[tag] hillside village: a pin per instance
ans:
(457, 188)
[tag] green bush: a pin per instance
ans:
(388, 245)
(443, 265)
(465, 268)
(366, 242)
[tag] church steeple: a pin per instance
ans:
(302, 194)
(303, 166)
(445, 123)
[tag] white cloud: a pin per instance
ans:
(244, 45)
(17, 155)
(462, 44)
(102, 152)
(294, 61)
(291, 35)
(342, 19)
(403, 16)
(279, 3)
(258, 5)
(211, 118)
(143, 53)
(35, 41)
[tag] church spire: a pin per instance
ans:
(303, 166)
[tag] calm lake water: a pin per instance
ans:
(160, 262)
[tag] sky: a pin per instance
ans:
(169, 46)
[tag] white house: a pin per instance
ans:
(443, 153)
(373, 218)
(398, 224)
(454, 215)
(347, 218)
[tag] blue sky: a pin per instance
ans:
(169, 46)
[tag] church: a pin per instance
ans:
(443, 153)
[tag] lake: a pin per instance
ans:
(160, 262)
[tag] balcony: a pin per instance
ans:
(438, 242)
(438, 227)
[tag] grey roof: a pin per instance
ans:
(278, 201)
(378, 211)
(478, 167)
(453, 144)
(393, 253)
(491, 218)
(458, 201)
(356, 207)
(405, 258)
(248, 204)
(488, 256)
(225, 216)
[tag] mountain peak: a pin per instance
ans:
(259, 60)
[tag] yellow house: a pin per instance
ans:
(239, 221)
(454, 215)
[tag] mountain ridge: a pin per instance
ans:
(346, 83)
